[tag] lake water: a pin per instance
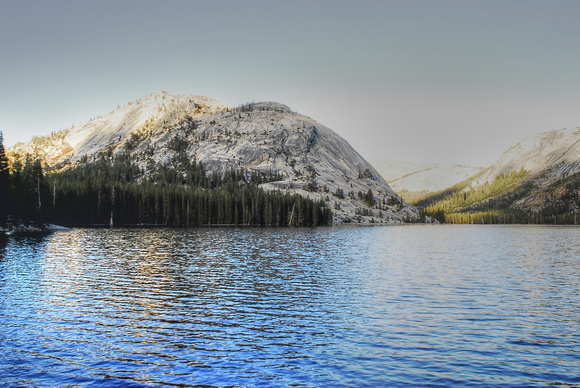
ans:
(343, 306)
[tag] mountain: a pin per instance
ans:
(535, 181)
(265, 138)
(147, 116)
(556, 152)
(413, 180)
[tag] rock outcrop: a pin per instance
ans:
(307, 157)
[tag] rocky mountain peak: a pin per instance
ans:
(265, 137)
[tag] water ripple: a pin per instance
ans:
(396, 306)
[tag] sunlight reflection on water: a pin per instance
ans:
(419, 305)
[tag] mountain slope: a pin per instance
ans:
(267, 138)
(115, 129)
(535, 181)
(537, 153)
(412, 179)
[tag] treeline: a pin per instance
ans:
(461, 195)
(113, 190)
(514, 216)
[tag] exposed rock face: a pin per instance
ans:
(553, 160)
(557, 152)
(266, 137)
(115, 129)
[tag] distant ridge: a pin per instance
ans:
(410, 178)
(535, 181)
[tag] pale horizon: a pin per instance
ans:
(448, 82)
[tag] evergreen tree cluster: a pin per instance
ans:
(23, 190)
(113, 190)
(4, 182)
(497, 202)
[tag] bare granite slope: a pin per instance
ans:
(267, 137)
(556, 152)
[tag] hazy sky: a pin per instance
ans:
(442, 81)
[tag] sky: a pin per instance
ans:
(454, 82)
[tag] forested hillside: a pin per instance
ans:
(113, 190)
(512, 198)
(537, 181)
(265, 139)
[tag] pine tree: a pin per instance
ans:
(4, 183)
(370, 198)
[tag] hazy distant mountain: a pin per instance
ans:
(421, 177)
(537, 180)
(265, 137)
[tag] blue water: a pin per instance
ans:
(344, 306)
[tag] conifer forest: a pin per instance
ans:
(112, 190)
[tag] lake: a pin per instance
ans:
(341, 306)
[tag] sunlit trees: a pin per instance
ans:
(507, 200)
